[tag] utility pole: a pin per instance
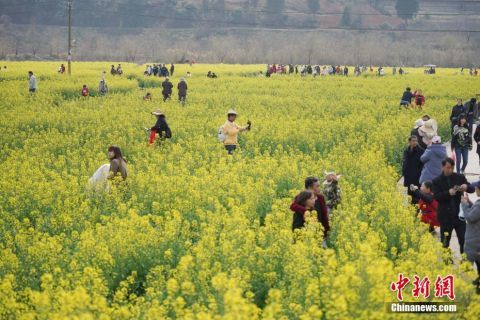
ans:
(69, 58)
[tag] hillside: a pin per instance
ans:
(247, 31)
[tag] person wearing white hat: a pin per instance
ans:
(331, 190)
(418, 124)
(230, 130)
(161, 127)
(427, 131)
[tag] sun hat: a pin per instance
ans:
(232, 111)
(157, 113)
(418, 123)
(429, 127)
(437, 139)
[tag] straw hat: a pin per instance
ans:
(157, 113)
(231, 111)
(330, 177)
(429, 127)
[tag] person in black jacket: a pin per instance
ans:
(167, 89)
(461, 143)
(412, 166)
(407, 97)
(457, 110)
(476, 137)
(448, 189)
(182, 90)
(172, 69)
(471, 110)
(161, 127)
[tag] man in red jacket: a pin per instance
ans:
(313, 184)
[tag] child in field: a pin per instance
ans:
(419, 99)
(147, 97)
(85, 92)
(427, 204)
(102, 87)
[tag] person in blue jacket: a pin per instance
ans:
(432, 160)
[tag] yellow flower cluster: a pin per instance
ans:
(195, 233)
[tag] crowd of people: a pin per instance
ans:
(159, 70)
(326, 70)
(436, 181)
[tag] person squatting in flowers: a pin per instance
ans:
(161, 127)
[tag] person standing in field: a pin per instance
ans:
(182, 90)
(331, 190)
(472, 233)
(172, 69)
(412, 166)
(407, 96)
(312, 184)
(167, 89)
(228, 133)
(427, 204)
(161, 127)
(102, 87)
(32, 82)
(457, 110)
(419, 99)
(448, 189)
(118, 164)
(461, 143)
(85, 92)
(432, 160)
(304, 201)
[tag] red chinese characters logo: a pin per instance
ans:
(421, 287)
(444, 287)
(399, 286)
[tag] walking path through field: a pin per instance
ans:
(472, 174)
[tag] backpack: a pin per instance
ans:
(221, 135)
